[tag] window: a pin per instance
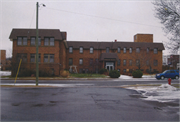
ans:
(124, 62)
(33, 58)
(48, 58)
(51, 60)
(22, 41)
(124, 70)
(147, 62)
(137, 50)
(107, 49)
(70, 49)
(39, 41)
(51, 41)
(148, 50)
(48, 41)
(119, 62)
(130, 62)
(155, 50)
(22, 56)
(172, 71)
(80, 61)
(80, 70)
(97, 61)
(91, 49)
(155, 62)
(119, 50)
(130, 50)
(90, 61)
(33, 41)
(70, 61)
(45, 58)
(137, 62)
(81, 50)
(124, 49)
(19, 41)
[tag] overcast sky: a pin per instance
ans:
(92, 20)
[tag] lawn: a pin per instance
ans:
(87, 76)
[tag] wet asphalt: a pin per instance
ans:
(83, 103)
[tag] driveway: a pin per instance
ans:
(91, 103)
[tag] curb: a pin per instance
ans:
(56, 79)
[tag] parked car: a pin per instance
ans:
(173, 74)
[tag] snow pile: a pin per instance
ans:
(5, 73)
(163, 93)
(125, 77)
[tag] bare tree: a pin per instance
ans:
(142, 59)
(168, 12)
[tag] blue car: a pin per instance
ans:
(173, 74)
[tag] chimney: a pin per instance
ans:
(115, 40)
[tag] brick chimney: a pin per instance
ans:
(115, 40)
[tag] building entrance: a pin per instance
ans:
(109, 66)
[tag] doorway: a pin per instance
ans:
(109, 66)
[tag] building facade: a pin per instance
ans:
(3, 59)
(57, 54)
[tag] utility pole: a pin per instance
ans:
(37, 38)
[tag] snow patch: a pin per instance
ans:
(125, 77)
(5, 73)
(163, 93)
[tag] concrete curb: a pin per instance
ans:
(57, 78)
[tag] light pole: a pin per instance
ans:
(37, 38)
(37, 35)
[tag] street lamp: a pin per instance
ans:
(37, 37)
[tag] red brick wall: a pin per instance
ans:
(3, 59)
(42, 50)
(86, 55)
(143, 38)
(143, 56)
(127, 56)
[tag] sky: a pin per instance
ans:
(83, 20)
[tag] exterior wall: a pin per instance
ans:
(3, 59)
(62, 56)
(86, 55)
(42, 50)
(143, 38)
(122, 56)
(143, 55)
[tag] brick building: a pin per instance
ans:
(173, 61)
(3, 59)
(56, 53)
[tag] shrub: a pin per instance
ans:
(102, 71)
(114, 74)
(64, 73)
(137, 74)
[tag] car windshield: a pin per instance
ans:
(165, 71)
